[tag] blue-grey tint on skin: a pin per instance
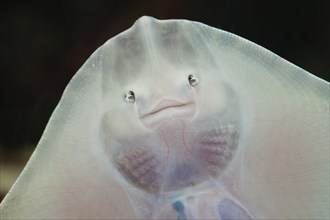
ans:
(179, 208)
(228, 210)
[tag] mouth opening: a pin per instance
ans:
(166, 110)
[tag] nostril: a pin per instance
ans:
(130, 97)
(193, 80)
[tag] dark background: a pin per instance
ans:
(43, 44)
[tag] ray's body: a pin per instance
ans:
(178, 120)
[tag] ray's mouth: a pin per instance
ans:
(165, 105)
(167, 109)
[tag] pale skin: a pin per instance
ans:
(178, 120)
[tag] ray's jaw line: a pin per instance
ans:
(165, 104)
(166, 111)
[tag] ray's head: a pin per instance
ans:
(157, 73)
(167, 106)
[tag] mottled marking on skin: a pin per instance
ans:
(212, 153)
(216, 148)
(141, 167)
